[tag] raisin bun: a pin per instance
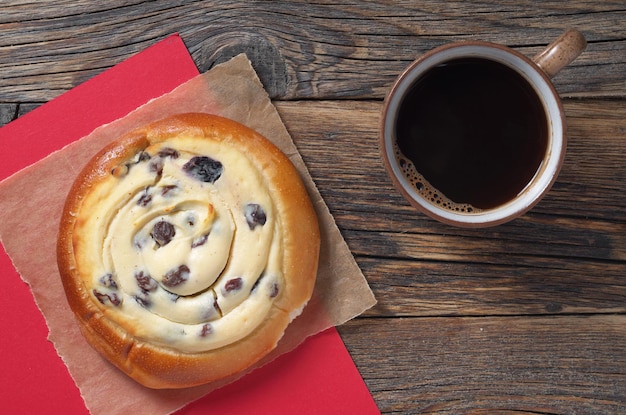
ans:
(186, 248)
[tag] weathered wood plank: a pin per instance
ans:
(427, 287)
(25, 108)
(8, 113)
(321, 50)
(521, 365)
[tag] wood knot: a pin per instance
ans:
(265, 57)
(554, 307)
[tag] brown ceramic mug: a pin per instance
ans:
(473, 133)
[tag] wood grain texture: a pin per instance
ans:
(568, 255)
(497, 365)
(311, 50)
(525, 318)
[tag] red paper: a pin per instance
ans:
(318, 378)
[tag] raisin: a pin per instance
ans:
(145, 199)
(143, 156)
(255, 215)
(146, 282)
(163, 232)
(156, 166)
(108, 281)
(176, 276)
(206, 330)
(142, 300)
(274, 290)
(168, 152)
(204, 169)
(233, 284)
(199, 241)
(165, 190)
(104, 298)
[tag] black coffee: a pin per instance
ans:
(475, 130)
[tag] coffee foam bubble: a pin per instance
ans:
(426, 190)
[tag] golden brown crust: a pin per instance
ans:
(162, 367)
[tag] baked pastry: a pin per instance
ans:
(185, 248)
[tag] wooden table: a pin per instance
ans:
(526, 318)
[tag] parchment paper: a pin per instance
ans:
(31, 202)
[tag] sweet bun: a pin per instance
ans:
(186, 247)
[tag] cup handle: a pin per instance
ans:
(561, 52)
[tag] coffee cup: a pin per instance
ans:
(473, 133)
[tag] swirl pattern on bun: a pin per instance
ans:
(186, 247)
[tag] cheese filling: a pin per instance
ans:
(182, 245)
